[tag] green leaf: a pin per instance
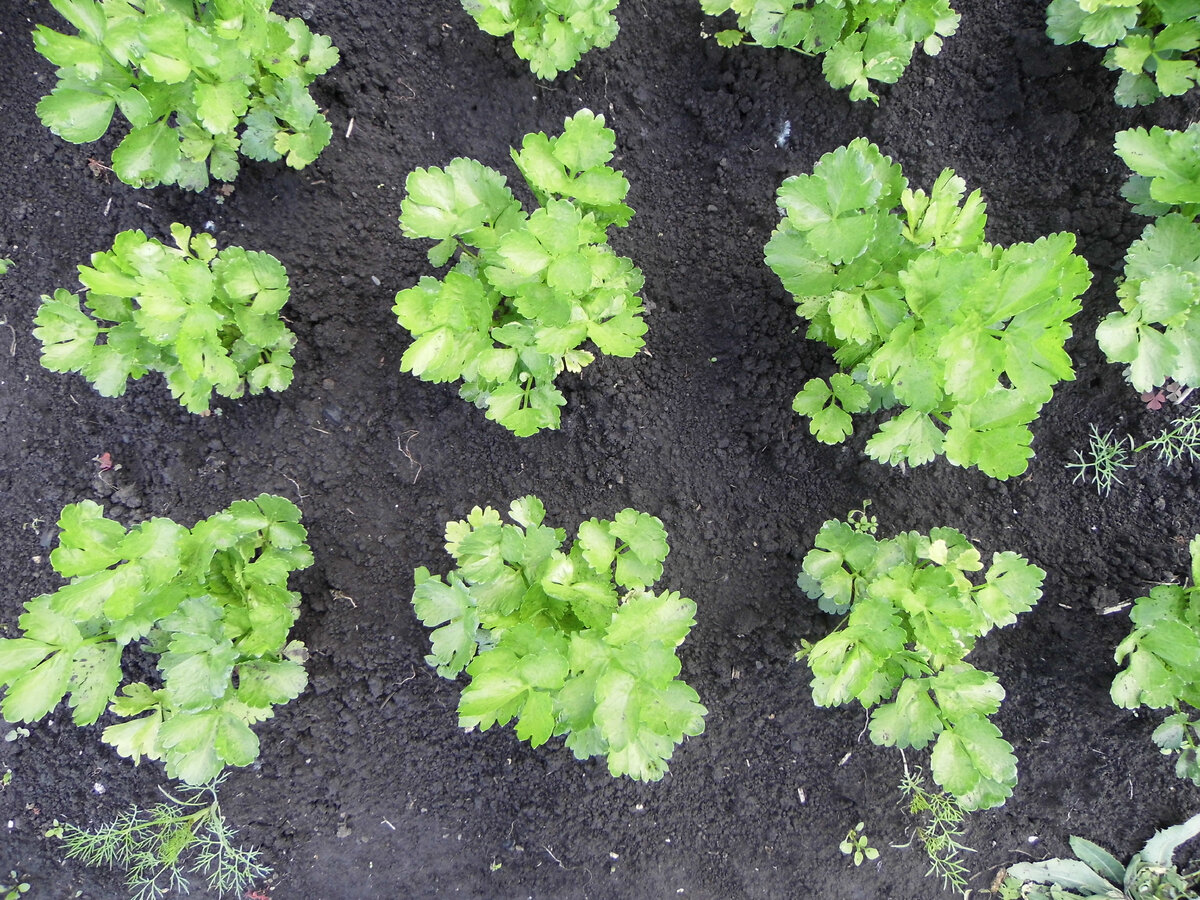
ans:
(88, 543)
(86, 15)
(67, 334)
(95, 674)
(222, 105)
(136, 738)
(34, 694)
(828, 405)
(1012, 587)
(197, 746)
(963, 691)
(665, 617)
(75, 115)
(147, 156)
(1099, 860)
(911, 720)
(974, 763)
(19, 655)
(197, 669)
(437, 604)
(639, 563)
(264, 683)
(910, 437)
(466, 199)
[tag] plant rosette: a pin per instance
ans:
(186, 76)
(966, 337)
(210, 603)
(207, 319)
(528, 290)
(1152, 43)
(861, 41)
(567, 643)
(912, 615)
(551, 35)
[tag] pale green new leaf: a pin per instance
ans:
(136, 738)
(829, 405)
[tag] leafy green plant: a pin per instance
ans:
(206, 319)
(1098, 875)
(939, 830)
(158, 848)
(211, 603)
(527, 290)
(551, 35)
(571, 644)
(913, 616)
(1152, 43)
(861, 40)
(922, 313)
(1157, 330)
(186, 75)
(858, 845)
(5, 265)
(1162, 666)
(1107, 457)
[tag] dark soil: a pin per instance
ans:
(366, 788)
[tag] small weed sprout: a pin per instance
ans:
(16, 890)
(861, 522)
(939, 829)
(858, 845)
(158, 848)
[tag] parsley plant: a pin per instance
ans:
(1157, 330)
(186, 76)
(207, 319)
(527, 290)
(1152, 43)
(913, 615)
(861, 40)
(551, 35)
(1162, 666)
(922, 313)
(210, 602)
(570, 643)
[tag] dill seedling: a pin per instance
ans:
(1106, 456)
(938, 831)
(159, 847)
